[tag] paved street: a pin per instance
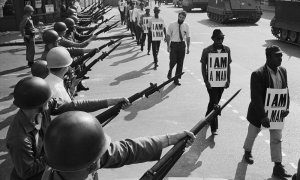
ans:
(177, 108)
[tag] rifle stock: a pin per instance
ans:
(163, 166)
(101, 57)
(105, 117)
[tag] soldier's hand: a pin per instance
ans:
(285, 113)
(265, 122)
(125, 103)
(175, 138)
(168, 49)
(188, 51)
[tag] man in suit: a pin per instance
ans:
(273, 76)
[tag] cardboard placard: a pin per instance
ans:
(275, 104)
(217, 69)
(145, 24)
(157, 30)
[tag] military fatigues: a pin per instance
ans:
(69, 43)
(120, 153)
(74, 36)
(25, 139)
(27, 28)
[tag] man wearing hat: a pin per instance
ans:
(137, 18)
(144, 19)
(269, 76)
(156, 43)
(215, 93)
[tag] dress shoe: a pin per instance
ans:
(80, 87)
(148, 53)
(280, 172)
(177, 83)
(142, 48)
(248, 157)
(169, 76)
(155, 66)
(30, 64)
(85, 77)
(214, 132)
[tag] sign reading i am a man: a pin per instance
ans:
(157, 30)
(217, 69)
(275, 105)
(145, 24)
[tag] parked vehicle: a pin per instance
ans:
(188, 5)
(243, 10)
(177, 3)
(285, 25)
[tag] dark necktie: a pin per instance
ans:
(180, 35)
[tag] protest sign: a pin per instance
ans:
(275, 104)
(157, 31)
(217, 69)
(145, 24)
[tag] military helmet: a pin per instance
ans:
(50, 36)
(70, 23)
(40, 69)
(76, 20)
(60, 27)
(74, 140)
(58, 57)
(28, 9)
(31, 92)
(71, 11)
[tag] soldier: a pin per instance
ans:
(272, 76)
(40, 69)
(80, 29)
(61, 29)
(24, 139)
(28, 31)
(177, 33)
(82, 136)
(156, 43)
(147, 33)
(73, 35)
(215, 93)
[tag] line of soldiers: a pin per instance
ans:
(38, 99)
(74, 145)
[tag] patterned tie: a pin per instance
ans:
(180, 35)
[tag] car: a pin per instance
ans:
(168, 1)
(177, 3)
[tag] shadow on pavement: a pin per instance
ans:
(233, 23)
(5, 161)
(147, 103)
(241, 170)
(133, 49)
(11, 108)
(13, 70)
(135, 56)
(6, 122)
(290, 49)
(7, 98)
(131, 75)
(189, 160)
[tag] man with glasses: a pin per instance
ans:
(215, 93)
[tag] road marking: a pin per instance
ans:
(197, 42)
(243, 118)
(235, 111)
(267, 141)
(293, 165)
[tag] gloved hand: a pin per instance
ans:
(265, 122)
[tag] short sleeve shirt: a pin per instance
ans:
(173, 31)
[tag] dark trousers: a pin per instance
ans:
(177, 54)
(144, 38)
(30, 49)
(131, 27)
(155, 50)
(139, 32)
(215, 95)
(122, 14)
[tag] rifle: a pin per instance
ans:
(90, 54)
(105, 117)
(163, 166)
(107, 28)
(104, 21)
(101, 57)
(100, 15)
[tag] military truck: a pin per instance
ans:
(188, 5)
(222, 11)
(285, 25)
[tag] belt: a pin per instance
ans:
(177, 42)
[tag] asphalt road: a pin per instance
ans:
(174, 109)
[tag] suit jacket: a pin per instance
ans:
(260, 81)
